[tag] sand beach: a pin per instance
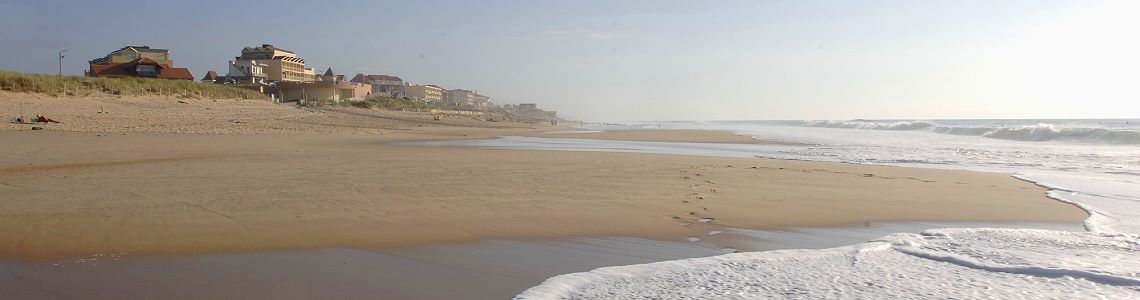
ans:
(166, 177)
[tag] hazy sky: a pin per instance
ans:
(651, 60)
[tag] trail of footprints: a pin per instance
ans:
(698, 217)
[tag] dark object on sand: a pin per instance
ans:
(37, 128)
(43, 119)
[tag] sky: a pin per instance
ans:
(651, 60)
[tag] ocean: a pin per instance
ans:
(1094, 164)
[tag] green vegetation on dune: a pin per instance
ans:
(380, 102)
(53, 85)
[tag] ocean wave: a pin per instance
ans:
(1049, 132)
(872, 125)
(1032, 133)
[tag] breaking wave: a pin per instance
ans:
(856, 124)
(1034, 133)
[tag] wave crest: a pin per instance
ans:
(856, 124)
(1034, 133)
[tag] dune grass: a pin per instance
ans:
(55, 86)
(378, 102)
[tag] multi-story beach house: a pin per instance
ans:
(383, 85)
(328, 86)
(425, 93)
(247, 71)
(461, 97)
(275, 63)
(138, 61)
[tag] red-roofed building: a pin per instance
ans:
(138, 61)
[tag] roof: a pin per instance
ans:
(144, 49)
(329, 72)
(175, 73)
(147, 61)
(265, 47)
(384, 77)
(373, 79)
(211, 76)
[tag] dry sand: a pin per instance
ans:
(115, 114)
(95, 190)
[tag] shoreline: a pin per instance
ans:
(658, 135)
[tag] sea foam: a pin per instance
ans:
(947, 263)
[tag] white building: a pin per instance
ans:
(247, 71)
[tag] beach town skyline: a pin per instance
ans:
(731, 60)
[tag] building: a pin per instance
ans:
(138, 61)
(481, 101)
(425, 93)
(212, 77)
(529, 112)
(247, 71)
(131, 53)
(327, 87)
(383, 85)
(460, 97)
(277, 64)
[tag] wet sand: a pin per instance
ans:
(489, 269)
(657, 135)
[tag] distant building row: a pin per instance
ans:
(281, 73)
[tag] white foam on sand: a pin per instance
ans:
(957, 263)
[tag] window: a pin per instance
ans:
(146, 70)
